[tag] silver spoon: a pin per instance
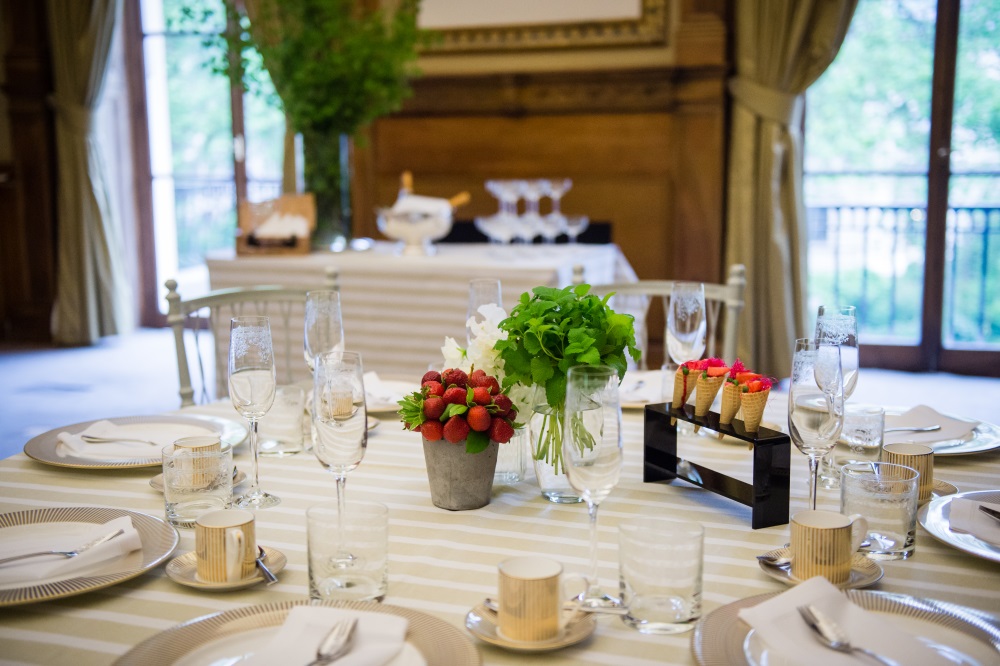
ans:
(775, 561)
(831, 635)
(69, 554)
(930, 428)
(94, 439)
(264, 571)
(337, 643)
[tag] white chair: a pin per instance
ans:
(635, 297)
(207, 317)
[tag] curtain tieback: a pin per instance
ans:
(78, 117)
(781, 107)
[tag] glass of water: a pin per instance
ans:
(864, 426)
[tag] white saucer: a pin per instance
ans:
(183, 569)
(156, 483)
(481, 623)
(864, 571)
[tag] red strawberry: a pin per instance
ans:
(456, 429)
(477, 377)
(512, 415)
(481, 395)
(501, 430)
(432, 430)
(431, 376)
(454, 377)
(503, 404)
(455, 396)
(433, 408)
(479, 419)
(434, 388)
(493, 385)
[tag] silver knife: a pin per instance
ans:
(992, 513)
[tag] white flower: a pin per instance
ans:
(454, 356)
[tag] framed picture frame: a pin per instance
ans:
(518, 25)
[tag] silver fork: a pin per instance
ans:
(66, 553)
(336, 644)
(831, 635)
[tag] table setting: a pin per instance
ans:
(306, 568)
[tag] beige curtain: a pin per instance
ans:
(782, 47)
(92, 298)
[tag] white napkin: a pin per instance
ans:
(57, 567)
(377, 392)
(921, 416)
(72, 444)
(378, 637)
(964, 516)
(639, 387)
(283, 226)
(779, 624)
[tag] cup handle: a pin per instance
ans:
(859, 530)
(235, 542)
(572, 601)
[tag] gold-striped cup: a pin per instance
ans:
(823, 544)
(194, 455)
(225, 546)
(531, 599)
(915, 456)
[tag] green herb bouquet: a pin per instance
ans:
(548, 332)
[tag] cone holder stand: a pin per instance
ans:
(767, 496)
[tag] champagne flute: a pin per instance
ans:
(324, 325)
(838, 325)
(251, 388)
(592, 451)
(815, 403)
(339, 416)
(686, 322)
(482, 291)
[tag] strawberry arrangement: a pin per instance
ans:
(456, 406)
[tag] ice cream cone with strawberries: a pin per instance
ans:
(685, 380)
(731, 394)
(710, 380)
(753, 399)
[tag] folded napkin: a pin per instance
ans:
(378, 392)
(921, 416)
(964, 516)
(778, 623)
(59, 567)
(378, 638)
(162, 434)
(283, 226)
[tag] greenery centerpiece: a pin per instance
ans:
(337, 66)
(548, 332)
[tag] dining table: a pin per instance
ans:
(444, 563)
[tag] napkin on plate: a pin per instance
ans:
(379, 393)
(964, 516)
(378, 637)
(162, 434)
(639, 387)
(57, 567)
(921, 416)
(779, 624)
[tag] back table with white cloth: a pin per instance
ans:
(444, 563)
(398, 309)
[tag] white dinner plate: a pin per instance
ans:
(44, 447)
(935, 518)
(640, 388)
(158, 541)
(390, 393)
(226, 637)
(720, 637)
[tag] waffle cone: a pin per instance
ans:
(682, 390)
(730, 404)
(707, 389)
(753, 408)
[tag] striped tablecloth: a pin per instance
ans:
(443, 563)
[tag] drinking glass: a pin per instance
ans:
(686, 322)
(339, 414)
(576, 225)
(324, 325)
(838, 325)
(482, 291)
(815, 403)
(592, 451)
(555, 221)
(251, 388)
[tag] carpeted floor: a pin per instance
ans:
(42, 389)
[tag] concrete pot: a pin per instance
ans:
(459, 480)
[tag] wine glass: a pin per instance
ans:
(482, 291)
(576, 225)
(592, 451)
(339, 414)
(251, 388)
(838, 325)
(815, 403)
(324, 325)
(686, 322)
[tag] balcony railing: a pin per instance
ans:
(873, 257)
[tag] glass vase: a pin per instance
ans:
(546, 428)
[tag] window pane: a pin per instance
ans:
(972, 272)
(264, 124)
(866, 155)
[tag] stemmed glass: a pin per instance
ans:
(686, 322)
(815, 403)
(324, 325)
(251, 388)
(482, 291)
(592, 451)
(838, 325)
(576, 225)
(339, 415)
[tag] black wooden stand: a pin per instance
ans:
(767, 495)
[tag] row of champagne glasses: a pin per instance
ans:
(508, 225)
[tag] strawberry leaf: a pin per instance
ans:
(476, 442)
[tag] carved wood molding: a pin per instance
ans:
(618, 91)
